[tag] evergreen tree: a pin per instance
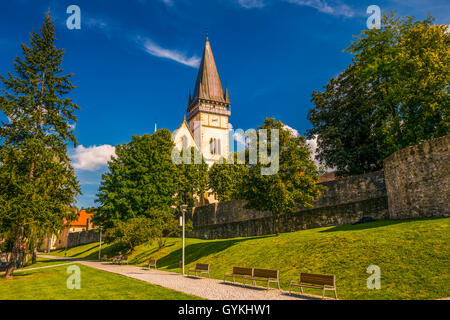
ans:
(37, 182)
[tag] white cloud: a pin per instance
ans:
(157, 51)
(92, 158)
(168, 2)
(312, 144)
(335, 8)
(250, 4)
(332, 7)
(293, 131)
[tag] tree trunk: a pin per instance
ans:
(14, 254)
(276, 226)
(34, 259)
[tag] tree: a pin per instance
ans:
(130, 233)
(141, 176)
(193, 176)
(226, 180)
(163, 224)
(395, 94)
(295, 183)
(37, 182)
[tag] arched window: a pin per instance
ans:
(215, 146)
(184, 143)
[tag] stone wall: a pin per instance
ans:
(418, 179)
(75, 239)
(414, 184)
(345, 201)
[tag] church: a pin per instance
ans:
(206, 125)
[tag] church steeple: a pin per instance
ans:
(209, 110)
(208, 85)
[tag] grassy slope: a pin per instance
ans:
(414, 256)
(51, 284)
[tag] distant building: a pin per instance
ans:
(83, 223)
(329, 176)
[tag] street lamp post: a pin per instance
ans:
(67, 242)
(100, 246)
(183, 222)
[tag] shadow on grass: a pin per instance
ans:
(195, 252)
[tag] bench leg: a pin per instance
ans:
(335, 294)
(278, 282)
(290, 286)
(323, 292)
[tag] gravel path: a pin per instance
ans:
(211, 289)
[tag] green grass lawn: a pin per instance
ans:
(43, 262)
(414, 256)
(51, 284)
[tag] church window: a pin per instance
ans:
(184, 143)
(215, 146)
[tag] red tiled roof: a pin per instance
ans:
(82, 218)
(329, 176)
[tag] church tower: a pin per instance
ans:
(209, 109)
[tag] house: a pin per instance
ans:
(82, 223)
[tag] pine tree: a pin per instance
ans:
(37, 182)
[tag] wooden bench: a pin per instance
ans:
(266, 275)
(200, 268)
(119, 260)
(116, 260)
(239, 272)
(316, 281)
(152, 263)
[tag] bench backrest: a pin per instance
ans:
(265, 273)
(320, 279)
(125, 258)
(202, 266)
(152, 261)
(243, 271)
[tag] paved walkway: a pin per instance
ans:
(211, 289)
(37, 268)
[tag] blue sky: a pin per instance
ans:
(134, 61)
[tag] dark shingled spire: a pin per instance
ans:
(208, 85)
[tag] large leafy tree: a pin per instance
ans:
(141, 176)
(294, 185)
(193, 182)
(37, 182)
(226, 179)
(395, 94)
